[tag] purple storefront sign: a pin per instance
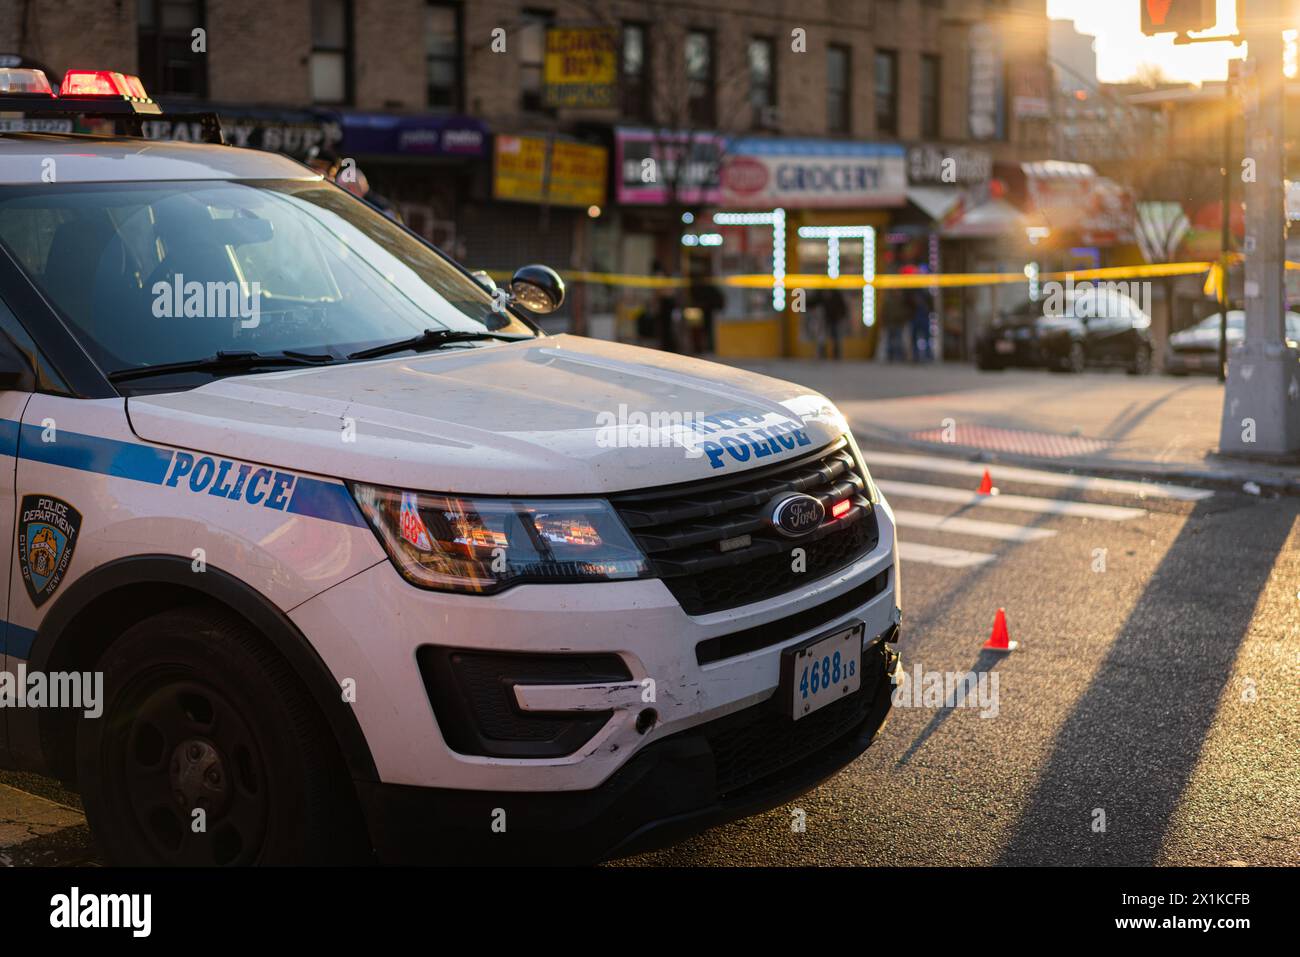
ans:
(386, 133)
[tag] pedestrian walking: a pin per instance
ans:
(665, 311)
(894, 308)
(830, 339)
(709, 299)
(920, 313)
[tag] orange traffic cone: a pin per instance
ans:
(986, 484)
(1000, 640)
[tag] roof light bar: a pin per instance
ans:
(78, 83)
(24, 82)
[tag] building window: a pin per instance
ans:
(700, 100)
(762, 81)
(532, 57)
(929, 97)
(838, 89)
(887, 92)
(634, 72)
(168, 64)
(331, 51)
(442, 63)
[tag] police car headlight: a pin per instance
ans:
(484, 545)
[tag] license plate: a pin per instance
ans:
(822, 670)
(1004, 346)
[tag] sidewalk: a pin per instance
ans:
(1154, 426)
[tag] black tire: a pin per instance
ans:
(1141, 364)
(200, 712)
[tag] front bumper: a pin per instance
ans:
(671, 789)
(1178, 361)
(369, 631)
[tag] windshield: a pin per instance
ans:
(1237, 322)
(154, 273)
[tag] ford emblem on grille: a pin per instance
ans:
(797, 515)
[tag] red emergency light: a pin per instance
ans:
(102, 83)
(841, 508)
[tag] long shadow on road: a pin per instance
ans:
(1128, 420)
(1131, 743)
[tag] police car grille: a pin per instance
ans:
(714, 547)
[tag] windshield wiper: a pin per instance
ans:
(221, 362)
(431, 339)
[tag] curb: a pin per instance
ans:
(1227, 479)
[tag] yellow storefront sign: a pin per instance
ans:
(581, 67)
(576, 176)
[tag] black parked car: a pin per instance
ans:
(1196, 349)
(1109, 330)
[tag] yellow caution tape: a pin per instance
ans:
(1149, 271)
(899, 281)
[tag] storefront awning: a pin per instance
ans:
(430, 135)
(935, 201)
(991, 219)
(1058, 169)
(1078, 205)
(276, 129)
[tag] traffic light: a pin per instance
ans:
(1177, 16)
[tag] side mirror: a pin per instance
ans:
(15, 373)
(538, 289)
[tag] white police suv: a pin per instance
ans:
(371, 567)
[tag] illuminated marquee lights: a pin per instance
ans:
(833, 235)
(778, 260)
(775, 219)
(1031, 273)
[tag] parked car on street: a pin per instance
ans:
(1196, 349)
(1110, 330)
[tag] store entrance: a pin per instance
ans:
(837, 321)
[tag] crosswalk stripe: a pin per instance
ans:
(1083, 483)
(938, 555)
(1017, 503)
(970, 526)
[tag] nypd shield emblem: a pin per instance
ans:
(47, 536)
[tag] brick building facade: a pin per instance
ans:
(826, 77)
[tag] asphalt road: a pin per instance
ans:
(1160, 692)
(1155, 685)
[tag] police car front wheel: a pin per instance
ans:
(210, 752)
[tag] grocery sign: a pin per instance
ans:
(581, 67)
(797, 173)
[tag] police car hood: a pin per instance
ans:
(555, 415)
